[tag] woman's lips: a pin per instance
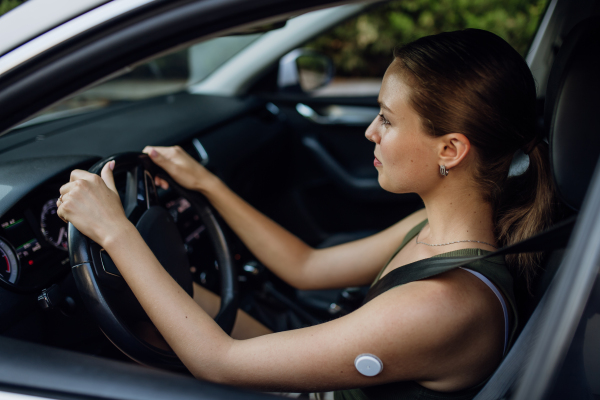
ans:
(377, 163)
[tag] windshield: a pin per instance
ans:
(160, 76)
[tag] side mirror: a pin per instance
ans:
(303, 70)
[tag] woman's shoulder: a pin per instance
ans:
(449, 318)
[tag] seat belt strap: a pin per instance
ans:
(554, 238)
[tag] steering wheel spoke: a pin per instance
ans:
(140, 193)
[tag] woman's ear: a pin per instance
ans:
(453, 148)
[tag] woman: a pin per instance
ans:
(455, 107)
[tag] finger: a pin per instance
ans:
(66, 188)
(152, 151)
(80, 174)
(148, 149)
(156, 154)
(161, 182)
(107, 175)
(61, 217)
(59, 201)
(60, 211)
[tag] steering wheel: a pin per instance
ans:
(106, 294)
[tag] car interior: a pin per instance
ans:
(281, 150)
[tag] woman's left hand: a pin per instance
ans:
(91, 203)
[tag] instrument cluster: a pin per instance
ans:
(33, 241)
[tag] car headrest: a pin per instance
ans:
(572, 111)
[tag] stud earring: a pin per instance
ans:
(443, 170)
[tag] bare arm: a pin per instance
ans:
(303, 267)
(419, 333)
(437, 331)
(245, 326)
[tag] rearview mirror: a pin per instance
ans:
(304, 70)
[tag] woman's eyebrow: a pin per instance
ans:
(382, 105)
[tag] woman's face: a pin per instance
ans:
(405, 156)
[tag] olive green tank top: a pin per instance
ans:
(493, 268)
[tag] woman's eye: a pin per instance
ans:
(383, 120)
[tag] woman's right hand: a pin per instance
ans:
(181, 167)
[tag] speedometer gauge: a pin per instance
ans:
(54, 228)
(9, 263)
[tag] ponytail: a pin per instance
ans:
(526, 206)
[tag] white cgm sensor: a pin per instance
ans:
(368, 364)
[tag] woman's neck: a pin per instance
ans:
(456, 214)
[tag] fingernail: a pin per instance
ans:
(111, 165)
(153, 153)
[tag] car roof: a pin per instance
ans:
(35, 17)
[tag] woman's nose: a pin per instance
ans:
(371, 133)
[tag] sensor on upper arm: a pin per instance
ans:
(368, 364)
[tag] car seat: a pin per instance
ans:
(572, 101)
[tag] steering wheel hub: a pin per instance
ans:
(158, 229)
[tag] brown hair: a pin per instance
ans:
(473, 82)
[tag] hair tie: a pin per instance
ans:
(532, 145)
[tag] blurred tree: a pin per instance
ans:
(7, 5)
(363, 46)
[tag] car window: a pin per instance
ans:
(161, 76)
(361, 48)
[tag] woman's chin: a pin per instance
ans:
(393, 187)
(385, 184)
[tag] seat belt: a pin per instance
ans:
(554, 238)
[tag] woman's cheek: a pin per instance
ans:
(405, 173)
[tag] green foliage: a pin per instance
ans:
(7, 5)
(363, 46)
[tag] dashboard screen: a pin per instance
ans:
(20, 234)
